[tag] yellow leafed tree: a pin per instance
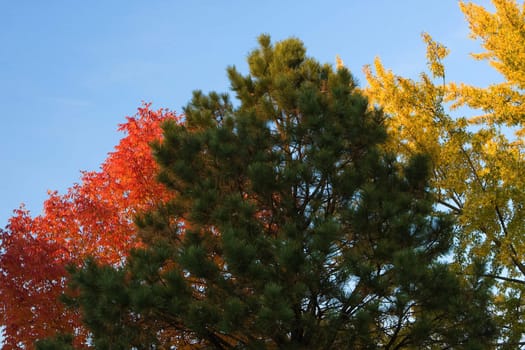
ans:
(478, 162)
(502, 35)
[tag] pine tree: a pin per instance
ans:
(289, 228)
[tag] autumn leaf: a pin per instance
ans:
(93, 218)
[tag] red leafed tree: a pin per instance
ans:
(94, 218)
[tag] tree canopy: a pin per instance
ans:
(288, 227)
(299, 211)
(94, 218)
(477, 159)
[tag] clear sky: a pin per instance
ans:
(70, 71)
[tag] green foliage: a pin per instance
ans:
(59, 342)
(299, 231)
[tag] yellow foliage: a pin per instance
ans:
(339, 62)
(478, 173)
(502, 35)
(436, 52)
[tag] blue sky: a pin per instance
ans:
(70, 71)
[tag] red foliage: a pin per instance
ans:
(94, 218)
